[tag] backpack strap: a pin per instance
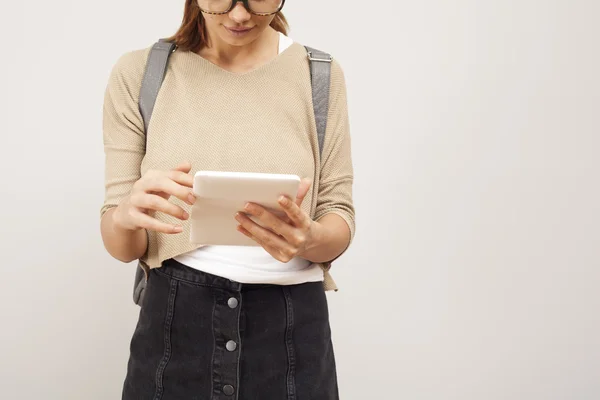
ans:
(320, 76)
(156, 68)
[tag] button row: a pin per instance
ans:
(228, 390)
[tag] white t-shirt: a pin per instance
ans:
(252, 264)
(284, 42)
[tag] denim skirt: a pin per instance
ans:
(204, 337)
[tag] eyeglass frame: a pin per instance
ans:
(246, 6)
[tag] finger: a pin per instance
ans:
(243, 230)
(181, 175)
(271, 221)
(303, 190)
(293, 211)
(271, 250)
(157, 203)
(147, 222)
(182, 178)
(263, 235)
(170, 187)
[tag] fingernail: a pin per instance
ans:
(283, 200)
(177, 229)
(247, 207)
(185, 215)
(191, 198)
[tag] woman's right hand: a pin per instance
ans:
(151, 193)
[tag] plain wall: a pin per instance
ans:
(475, 129)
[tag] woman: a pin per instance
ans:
(227, 322)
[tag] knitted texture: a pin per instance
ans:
(258, 121)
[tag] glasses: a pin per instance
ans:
(256, 7)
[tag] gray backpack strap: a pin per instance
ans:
(139, 284)
(156, 68)
(320, 75)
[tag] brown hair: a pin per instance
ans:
(191, 36)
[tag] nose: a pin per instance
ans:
(239, 13)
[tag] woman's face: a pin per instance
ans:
(239, 27)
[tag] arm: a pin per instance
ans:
(123, 244)
(130, 197)
(325, 237)
(334, 214)
(331, 238)
(124, 148)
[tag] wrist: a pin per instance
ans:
(331, 238)
(317, 238)
(317, 234)
(118, 221)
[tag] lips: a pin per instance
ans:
(238, 31)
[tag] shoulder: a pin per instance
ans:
(337, 71)
(338, 77)
(128, 70)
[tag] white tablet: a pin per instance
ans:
(219, 195)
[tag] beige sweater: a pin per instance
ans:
(259, 121)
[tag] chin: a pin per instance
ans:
(241, 41)
(237, 42)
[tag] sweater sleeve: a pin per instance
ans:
(336, 178)
(123, 128)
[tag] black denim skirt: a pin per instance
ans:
(204, 337)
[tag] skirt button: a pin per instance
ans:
(233, 302)
(231, 345)
(228, 390)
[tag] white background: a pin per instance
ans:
(475, 270)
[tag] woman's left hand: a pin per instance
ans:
(283, 238)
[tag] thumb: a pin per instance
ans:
(303, 190)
